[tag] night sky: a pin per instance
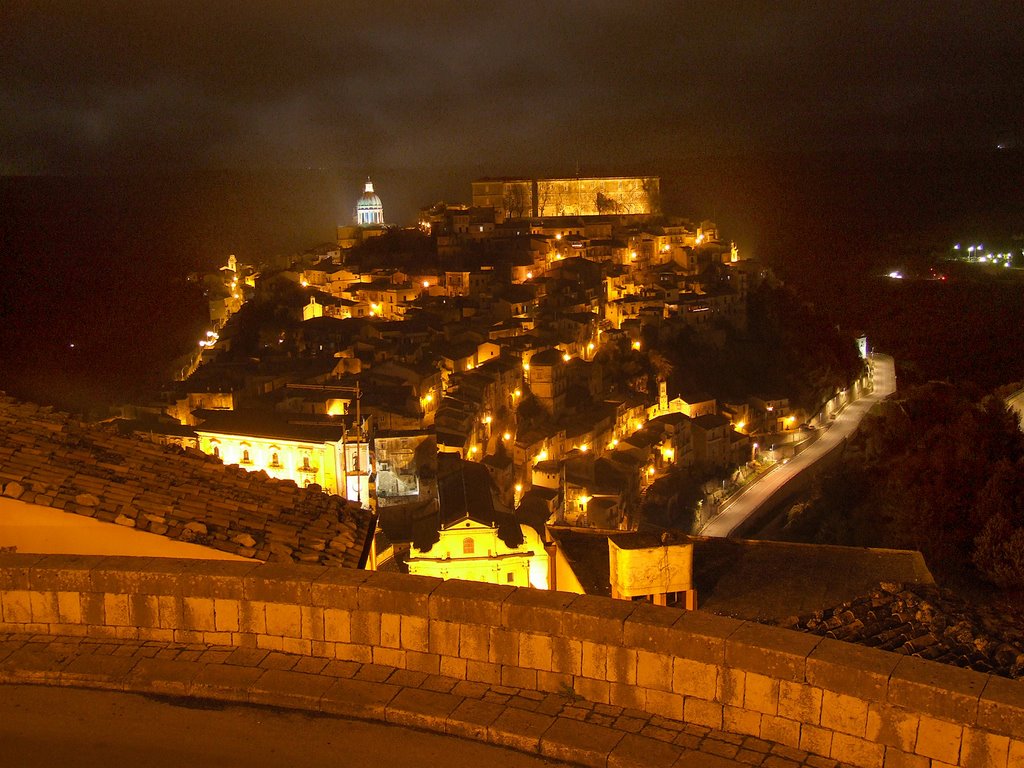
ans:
(109, 86)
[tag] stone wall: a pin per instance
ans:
(865, 707)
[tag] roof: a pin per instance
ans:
(60, 462)
(271, 425)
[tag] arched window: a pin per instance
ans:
(305, 462)
(245, 457)
(216, 451)
(467, 546)
(274, 461)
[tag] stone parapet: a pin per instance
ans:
(865, 707)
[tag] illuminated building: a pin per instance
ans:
(475, 540)
(513, 198)
(369, 209)
(307, 450)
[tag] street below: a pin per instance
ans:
(751, 500)
(43, 726)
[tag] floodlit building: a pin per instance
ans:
(369, 209)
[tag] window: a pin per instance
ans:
(245, 457)
(274, 461)
(468, 546)
(216, 451)
(305, 462)
(511, 578)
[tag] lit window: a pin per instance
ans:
(274, 460)
(468, 546)
(245, 457)
(511, 578)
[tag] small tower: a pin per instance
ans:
(369, 210)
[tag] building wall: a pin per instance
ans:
(865, 707)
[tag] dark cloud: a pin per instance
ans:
(95, 85)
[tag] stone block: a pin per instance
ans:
(815, 740)
(252, 617)
(198, 614)
(554, 682)
(471, 718)
(116, 612)
(579, 742)
(598, 691)
(739, 720)
(453, 667)
(119, 575)
(285, 688)
(364, 627)
(594, 660)
(389, 657)
(63, 573)
(1001, 708)
(519, 729)
(846, 714)
(281, 583)
(468, 602)
(163, 676)
(400, 593)
(857, 752)
(419, 708)
(771, 651)
(635, 751)
(44, 607)
(144, 610)
(33, 663)
(980, 749)
(169, 612)
(654, 670)
(218, 578)
(535, 651)
(391, 630)
(225, 615)
(851, 669)
(69, 607)
(415, 634)
(267, 642)
(939, 740)
(660, 702)
(362, 654)
(219, 638)
(225, 682)
(781, 730)
(336, 625)
(701, 712)
(296, 645)
(514, 676)
(474, 642)
(97, 671)
(621, 665)
(627, 695)
(483, 672)
(761, 693)
(652, 628)
(566, 656)
(503, 646)
(702, 636)
(1016, 756)
(731, 687)
(892, 726)
(17, 606)
(283, 619)
(694, 678)
(312, 623)
(443, 638)
(939, 690)
(92, 608)
(338, 588)
(417, 661)
(596, 619)
(799, 701)
(895, 758)
(535, 610)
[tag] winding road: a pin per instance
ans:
(742, 506)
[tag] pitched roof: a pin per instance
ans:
(50, 459)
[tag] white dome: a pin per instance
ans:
(369, 209)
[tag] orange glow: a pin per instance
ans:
(636, 345)
(566, 357)
(506, 436)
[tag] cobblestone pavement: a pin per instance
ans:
(558, 725)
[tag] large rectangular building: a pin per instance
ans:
(516, 198)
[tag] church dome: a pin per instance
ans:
(369, 209)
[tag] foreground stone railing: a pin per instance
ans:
(862, 706)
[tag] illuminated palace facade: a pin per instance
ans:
(517, 198)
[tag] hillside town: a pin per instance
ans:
(487, 382)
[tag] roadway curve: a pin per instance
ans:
(747, 503)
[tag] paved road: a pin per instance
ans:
(755, 495)
(45, 727)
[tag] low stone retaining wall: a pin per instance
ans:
(864, 707)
